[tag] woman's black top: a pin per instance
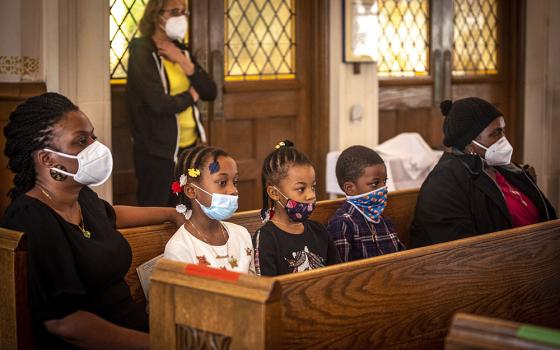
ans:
(68, 272)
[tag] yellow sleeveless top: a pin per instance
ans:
(179, 83)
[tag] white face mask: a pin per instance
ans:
(95, 164)
(176, 28)
(499, 153)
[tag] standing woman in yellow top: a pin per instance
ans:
(163, 85)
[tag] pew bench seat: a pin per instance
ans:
(404, 300)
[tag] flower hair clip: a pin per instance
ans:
(193, 172)
(177, 186)
(280, 145)
(182, 209)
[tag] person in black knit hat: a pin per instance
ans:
(475, 188)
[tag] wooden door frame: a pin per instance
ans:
(320, 91)
(204, 34)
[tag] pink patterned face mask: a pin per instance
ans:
(297, 211)
(371, 204)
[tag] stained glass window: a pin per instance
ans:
(123, 26)
(475, 45)
(403, 38)
(259, 39)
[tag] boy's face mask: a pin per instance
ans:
(371, 204)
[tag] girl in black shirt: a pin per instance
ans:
(289, 242)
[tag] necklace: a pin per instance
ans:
(218, 256)
(81, 225)
(516, 193)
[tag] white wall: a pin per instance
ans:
(76, 56)
(20, 41)
(348, 89)
(542, 95)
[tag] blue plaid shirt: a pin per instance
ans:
(358, 238)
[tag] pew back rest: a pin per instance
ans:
(15, 318)
(148, 242)
(400, 209)
(404, 300)
(473, 332)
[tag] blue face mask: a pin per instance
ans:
(222, 207)
(370, 204)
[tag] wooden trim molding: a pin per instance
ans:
(20, 91)
(320, 91)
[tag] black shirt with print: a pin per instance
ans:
(278, 252)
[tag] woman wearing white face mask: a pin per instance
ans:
(207, 190)
(164, 83)
(77, 259)
(475, 188)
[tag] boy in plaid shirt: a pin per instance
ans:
(358, 228)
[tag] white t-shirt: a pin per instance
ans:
(235, 255)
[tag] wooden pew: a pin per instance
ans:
(404, 300)
(146, 243)
(472, 332)
(149, 241)
(15, 319)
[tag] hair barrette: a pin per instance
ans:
(193, 172)
(280, 144)
(176, 187)
(214, 167)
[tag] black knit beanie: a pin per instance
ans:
(465, 119)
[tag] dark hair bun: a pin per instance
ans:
(284, 143)
(288, 143)
(445, 107)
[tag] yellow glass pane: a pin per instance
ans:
(475, 33)
(124, 16)
(259, 40)
(403, 39)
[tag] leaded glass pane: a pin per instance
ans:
(259, 39)
(403, 40)
(123, 26)
(475, 34)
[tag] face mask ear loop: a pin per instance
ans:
(283, 195)
(61, 154)
(480, 145)
(203, 190)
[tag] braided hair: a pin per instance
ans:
(275, 168)
(30, 129)
(194, 159)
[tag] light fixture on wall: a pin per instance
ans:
(360, 36)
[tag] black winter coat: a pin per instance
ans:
(152, 110)
(459, 200)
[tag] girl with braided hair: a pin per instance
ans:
(288, 242)
(77, 259)
(207, 190)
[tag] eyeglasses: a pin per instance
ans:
(175, 12)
